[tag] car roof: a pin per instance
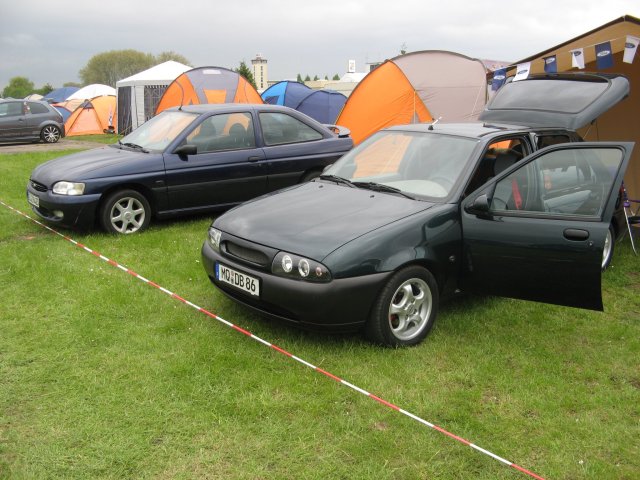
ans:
(476, 130)
(228, 107)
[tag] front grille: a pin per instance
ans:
(247, 254)
(38, 186)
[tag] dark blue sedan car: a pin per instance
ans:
(186, 160)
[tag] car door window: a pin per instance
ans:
(229, 131)
(279, 129)
(11, 109)
(497, 157)
(560, 183)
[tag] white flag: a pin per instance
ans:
(577, 58)
(522, 71)
(630, 47)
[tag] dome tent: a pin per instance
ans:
(321, 105)
(416, 87)
(60, 94)
(94, 116)
(208, 85)
(139, 95)
(92, 91)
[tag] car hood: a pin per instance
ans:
(96, 163)
(568, 100)
(315, 218)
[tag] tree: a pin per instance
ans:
(316, 78)
(46, 88)
(299, 78)
(336, 77)
(19, 87)
(72, 84)
(307, 78)
(166, 56)
(109, 67)
(326, 77)
(245, 72)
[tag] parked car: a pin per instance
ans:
(186, 160)
(418, 213)
(31, 120)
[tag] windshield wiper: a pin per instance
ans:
(337, 179)
(134, 146)
(380, 187)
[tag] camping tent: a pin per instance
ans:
(60, 94)
(322, 105)
(621, 122)
(208, 85)
(94, 116)
(92, 91)
(416, 87)
(139, 95)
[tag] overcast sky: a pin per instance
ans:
(49, 42)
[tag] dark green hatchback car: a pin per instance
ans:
(515, 205)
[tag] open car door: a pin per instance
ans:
(537, 231)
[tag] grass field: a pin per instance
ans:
(102, 376)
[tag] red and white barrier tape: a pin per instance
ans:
(278, 349)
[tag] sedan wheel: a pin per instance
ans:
(126, 211)
(406, 309)
(50, 134)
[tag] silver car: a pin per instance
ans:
(30, 120)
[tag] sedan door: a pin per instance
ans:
(226, 169)
(537, 231)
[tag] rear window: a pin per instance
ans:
(37, 108)
(542, 95)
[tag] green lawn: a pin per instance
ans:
(102, 376)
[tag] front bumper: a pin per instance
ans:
(77, 211)
(339, 305)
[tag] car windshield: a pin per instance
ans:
(160, 131)
(419, 164)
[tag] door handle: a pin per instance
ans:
(576, 234)
(254, 159)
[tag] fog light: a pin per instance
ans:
(58, 213)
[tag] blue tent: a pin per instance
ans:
(60, 94)
(63, 111)
(322, 105)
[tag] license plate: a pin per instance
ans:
(238, 280)
(33, 200)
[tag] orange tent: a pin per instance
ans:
(620, 122)
(208, 85)
(94, 116)
(416, 87)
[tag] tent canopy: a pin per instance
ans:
(321, 105)
(139, 94)
(208, 85)
(620, 122)
(92, 117)
(92, 91)
(416, 87)
(60, 94)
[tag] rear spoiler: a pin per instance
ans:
(341, 132)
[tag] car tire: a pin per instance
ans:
(50, 134)
(607, 251)
(125, 212)
(405, 310)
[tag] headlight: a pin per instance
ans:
(292, 266)
(68, 188)
(214, 238)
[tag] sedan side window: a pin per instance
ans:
(498, 156)
(280, 128)
(574, 182)
(230, 131)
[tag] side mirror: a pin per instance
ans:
(185, 150)
(479, 206)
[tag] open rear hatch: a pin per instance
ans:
(565, 100)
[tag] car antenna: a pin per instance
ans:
(433, 123)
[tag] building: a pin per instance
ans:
(260, 72)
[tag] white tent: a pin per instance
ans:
(92, 91)
(138, 95)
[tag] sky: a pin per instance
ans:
(50, 42)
